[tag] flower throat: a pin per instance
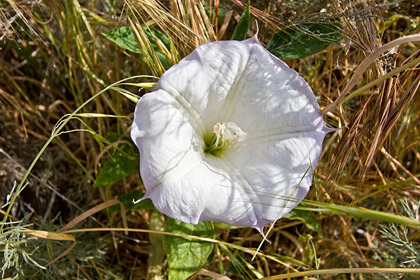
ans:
(224, 135)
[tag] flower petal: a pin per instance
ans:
(202, 80)
(166, 140)
(264, 173)
(277, 174)
(270, 98)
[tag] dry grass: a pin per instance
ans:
(54, 57)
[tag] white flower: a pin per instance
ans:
(230, 134)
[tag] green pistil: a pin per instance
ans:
(211, 148)
(215, 143)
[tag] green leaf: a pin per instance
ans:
(308, 217)
(123, 36)
(186, 256)
(299, 41)
(243, 26)
(164, 39)
(118, 167)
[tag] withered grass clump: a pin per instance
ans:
(54, 57)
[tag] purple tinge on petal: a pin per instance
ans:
(261, 175)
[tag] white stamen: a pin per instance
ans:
(219, 129)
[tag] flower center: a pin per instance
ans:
(224, 134)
